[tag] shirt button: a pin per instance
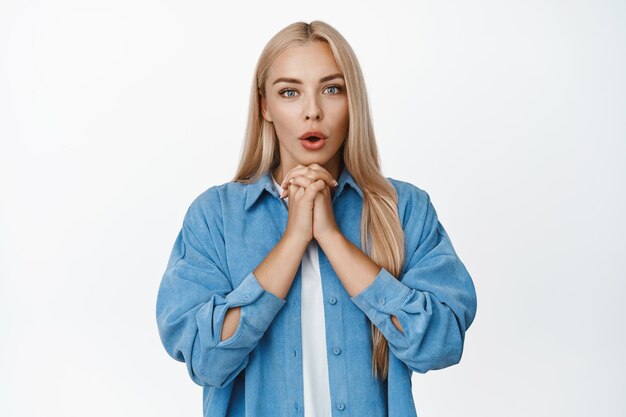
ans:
(332, 300)
(340, 406)
(381, 301)
(336, 351)
(246, 297)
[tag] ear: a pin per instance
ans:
(264, 111)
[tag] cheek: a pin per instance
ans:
(339, 109)
(285, 115)
(341, 120)
(284, 122)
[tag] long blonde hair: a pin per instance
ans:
(260, 153)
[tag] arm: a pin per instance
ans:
(355, 270)
(194, 295)
(434, 301)
(275, 274)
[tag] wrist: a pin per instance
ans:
(294, 242)
(330, 238)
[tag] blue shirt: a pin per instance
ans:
(226, 233)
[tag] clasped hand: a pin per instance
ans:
(299, 179)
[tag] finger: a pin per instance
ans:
(303, 181)
(302, 185)
(313, 171)
(330, 180)
(288, 175)
(291, 189)
(312, 190)
(299, 181)
(294, 172)
(314, 175)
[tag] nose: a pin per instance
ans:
(312, 109)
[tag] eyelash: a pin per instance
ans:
(330, 86)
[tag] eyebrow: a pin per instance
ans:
(296, 81)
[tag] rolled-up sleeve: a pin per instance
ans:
(434, 299)
(195, 293)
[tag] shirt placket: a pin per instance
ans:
(292, 368)
(335, 340)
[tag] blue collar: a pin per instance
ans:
(264, 182)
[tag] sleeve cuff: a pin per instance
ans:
(382, 298)
(258, 306)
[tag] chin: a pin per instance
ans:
(314, 160)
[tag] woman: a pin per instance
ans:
(324, 302)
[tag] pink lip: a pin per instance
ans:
(312, 146)
(313, 133)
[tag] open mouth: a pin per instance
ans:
(313, 143)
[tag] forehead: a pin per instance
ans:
(313, 58)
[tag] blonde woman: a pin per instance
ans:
(312, 285)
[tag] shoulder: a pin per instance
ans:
(412, 200)
(217, 199)
(417, 214)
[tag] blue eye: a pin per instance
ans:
(335, 87)
(286, 90)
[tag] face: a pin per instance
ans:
(301, 94)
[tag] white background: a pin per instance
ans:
(115, 115)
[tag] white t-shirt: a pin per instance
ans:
(314, 355)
